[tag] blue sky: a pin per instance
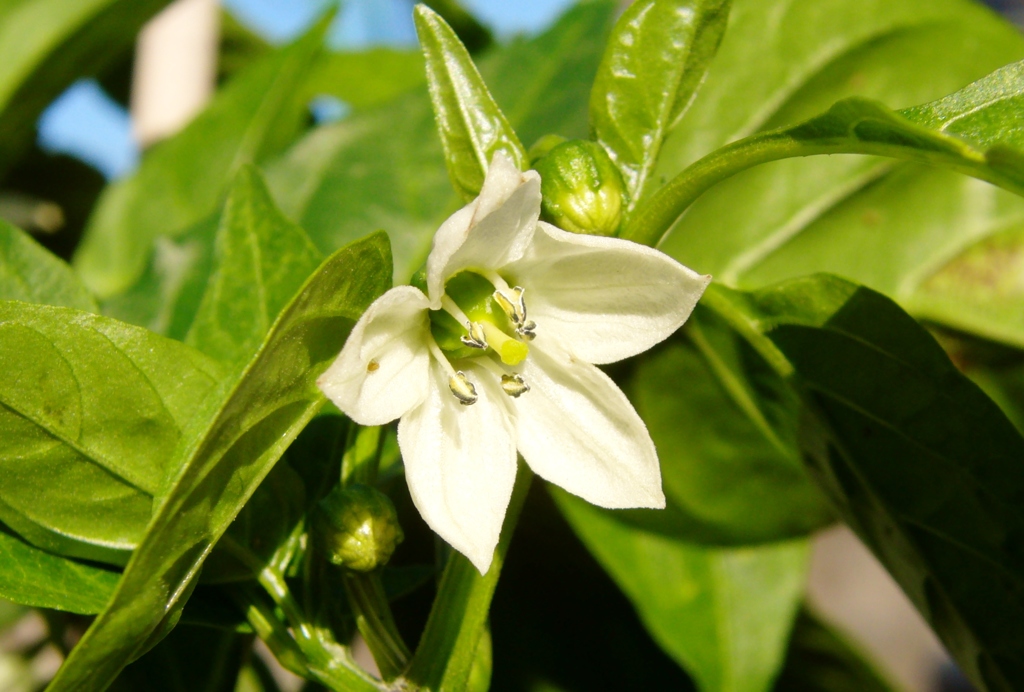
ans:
(84, 122)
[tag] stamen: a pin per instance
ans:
(475, 337)
(449, 306)
(514, 385)
(462, 388)
(513, 304)
(510, 351)
(527, 332)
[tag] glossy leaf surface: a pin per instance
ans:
(656, 58)
(724, 614)
(471, 125)
(917, 459)
(226, 454)
(891, 226)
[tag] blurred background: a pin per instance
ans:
(180, 58)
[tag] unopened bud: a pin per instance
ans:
(581, 189)
(360, 527)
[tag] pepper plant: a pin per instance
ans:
(461, 252)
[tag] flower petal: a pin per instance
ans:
(489, 232)
(576, 429)
(605, 299)
(382, 372)
(460, 463)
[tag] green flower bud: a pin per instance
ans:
(581, 189)
(360, 527)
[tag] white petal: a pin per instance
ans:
(489, 232)
(605, 299)
(382, 372)
(576, 429)
(460, 463)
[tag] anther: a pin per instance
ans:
(514, 305)
(462, 388)
(514, 385)
(527, 332)
(475, 337)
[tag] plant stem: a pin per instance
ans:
(444, 657)
(375, 622)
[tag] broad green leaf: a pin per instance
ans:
(91, 410)
(918, 461)
(367, 78)
(727, 441)
(232, 445)
(385, 168)
(887, 225)
(471, 125)
(724, 614)
(33, 577)
(656, 59)
(45, 45)
(31, 274)
(821, 660)
(182, 180)
(261, 260)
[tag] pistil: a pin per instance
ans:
(511, 351)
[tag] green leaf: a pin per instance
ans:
(167, 296)
(91, 411)
(724, 614)
(385, 168)
(183, 179)
(471, 125)
(820, 660)
(230, 448)
(36, 578)
(45, 45)
(656, 59)
(261, 260)
(727, 441)
(891, 226)
(917, 459)
(31, 274)
(369, 78)
(852, 126)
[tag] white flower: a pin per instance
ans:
(524, 379)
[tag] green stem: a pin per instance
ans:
(657, 215)
(325, 660)
(271, 630)
(375, 622)
(444, 657)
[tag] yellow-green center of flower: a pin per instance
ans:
(482, 318)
